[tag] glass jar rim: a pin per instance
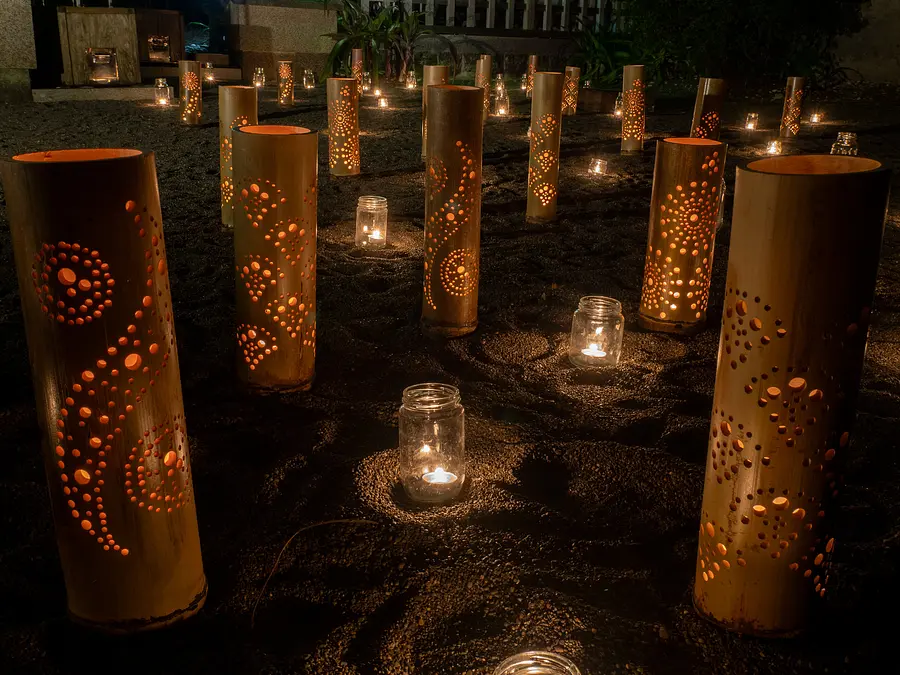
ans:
(521, 664)
(372, 201)
(162, 82)
(847, 135)
(599, 305)
(430, 396)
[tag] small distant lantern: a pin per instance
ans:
(570, 90)
(259, 77)
(599, 167)
(524, 84)
(382, 102)
(356, 66)
(543, 162)
(367, 82)
(586, 85)
(597, 329)
(752, 122)
(209, 72)
(619, 107)
(371, 222)
(530, 71)
(158, 48)
(343, 125)
(377, 93)
(794, 93)
(483, 81)
(432, 442)
(846, 144)
(411, 79)
(773, 147)
(162, 92)
(816, 117)
(285, 84)
(501, 103)
(633, 109)
(499, 83)
(102, 65)
(309, 79)
(190, 92)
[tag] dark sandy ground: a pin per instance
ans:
(578, 530)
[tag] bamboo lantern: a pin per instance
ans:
(793, 107)
(707, 122)
(529, 73)
(237, 108)
(285, 84)
(483, 80)
(275, 255)
(191, 91)
(343, 126)
(684, 209)
(91, 261)
(452, 210)
(797, 305)
(543, 162)
(633, 113)
(356, 67)
(431, 75)
(570, 90)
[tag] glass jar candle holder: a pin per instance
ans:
(752, 122)
(597, 328)
(845, 144)
(619, 108)
(209, 72)
(524, 84)
(382, 102)
(162, 92)
(411, 79)
(432, 442)
(773, 147)
(376, 92)
(816, 117)
(499, 83)
(599, 167)
(367, 82)
(537, 663)
(501, 103)
(586, 84)
(371, 222)
(259, 77)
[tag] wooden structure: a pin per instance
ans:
(543, 160)
(93, 277)
(684, 209)
(84, 28)
(343, 126)
(707, 120)
(275, 255)
(238, 107)
(634, 113)
(162, 23)
(798, 300)
(452, 210)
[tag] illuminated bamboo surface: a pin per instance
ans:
(237, 108)
(531, 70)
(707, 120)
(570, 90)
(684, 208)
(483, 81)
(91, 262)
(798, 299)
(452, 210)
(190, 86)
(431, 75)
(794, 92)
(543, 161)
(275, 255)
(356, 67)
(343, 126)
(633, 113)
(285, 84)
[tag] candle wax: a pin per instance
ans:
(439, 476)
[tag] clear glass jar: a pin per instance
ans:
(366, 81)
(619, 108)
(501, 103)
(599, 167)
(525, 82)
(586, 84)
(259, 77)
(597, 328)
(537, 663)
(432, 442)
(411, 79)
(209, 72)
(846, 144)
(499, 83)
(162, 92)
(752, 121)
(371, 222)
(309, 80)
(773, 148)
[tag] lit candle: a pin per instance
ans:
(376, 235)
(377, 92)
(598, 166)
(439, 477)
(162, 101)
(382, 102)
(752, 121)
(815, 118)
(210, 74)
(774, 148)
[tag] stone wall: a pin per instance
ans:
(17, 53)
(266, 31)
(875, 50)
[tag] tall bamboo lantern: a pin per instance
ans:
(452, 210)
(794, 92)
(356, 67)
(797, 305)
(91, 262)
(275, 255)
(543, 162)
(237, 108)
(431, 75)
(570, 90)
(190, 91)
(684, 208)
(285, 84)
(707, 121)
(483, 80)
(633, 113)
(343, 126)
(529, 79)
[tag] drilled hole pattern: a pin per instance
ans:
(226, 168)
(793, 109)
(191, 92)
(343, 130)
(544, 159)
(285, 83)
(708, 126)
(633, 113)
(570, 91)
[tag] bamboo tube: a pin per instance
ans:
(190, 91)
(356, 67)
(707, 121)
(285, 84)
(797, 305)
(543, 161)
(343, 126)
(91, 262)
(570, 90)
(483, 80)
(684, 208)
(633, 113)
(452, 210)
(275, 255)
(431, 75)
(793, 107)
(532, 69)
(237, 108)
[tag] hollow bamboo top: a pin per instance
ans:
(274, 130)
(79, 155)
(814, 165)
(456, 87)
(342, 79)
(237, 86)
(691, 141)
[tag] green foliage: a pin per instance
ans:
(742, 39)
(602, 55)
